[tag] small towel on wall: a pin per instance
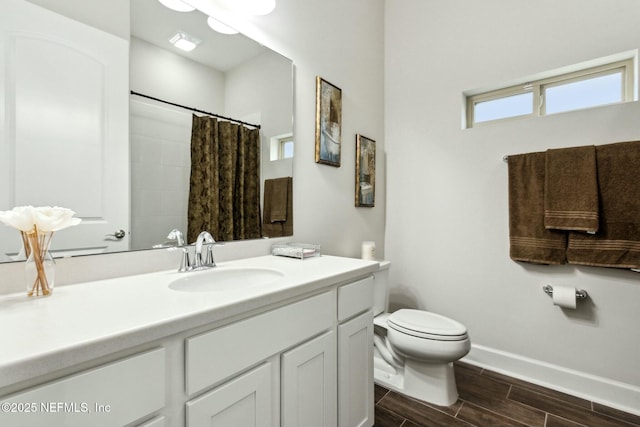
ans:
(617, 242)
(571, 189)
(278, 207)
(529, 240)
(279, 196)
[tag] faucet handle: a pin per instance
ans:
(209, 260)
(185, 261)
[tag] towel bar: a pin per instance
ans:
(580, 293)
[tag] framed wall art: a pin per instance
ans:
(328, 122)
(365, 171)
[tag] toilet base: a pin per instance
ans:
(431, 382)
(434, 383)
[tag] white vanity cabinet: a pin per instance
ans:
(293, 357)
(355, 354)
(115, 394)
(315, 356)
(284, 358)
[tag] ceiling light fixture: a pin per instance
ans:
(184, 41)
(177, 5)
(220, 27)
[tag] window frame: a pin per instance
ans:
(282, 145)
(277, 146)
(539, 86)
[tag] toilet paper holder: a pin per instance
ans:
(580, 293)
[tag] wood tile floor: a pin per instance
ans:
(491, 399)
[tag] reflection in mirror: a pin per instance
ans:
(217, 76)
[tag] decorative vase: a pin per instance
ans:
(40, 267)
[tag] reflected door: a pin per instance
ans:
(64, 121)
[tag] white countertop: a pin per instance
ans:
(78, 323)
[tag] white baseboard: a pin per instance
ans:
(614, 394)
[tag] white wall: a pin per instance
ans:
(447, 220)
(343, 42)
(262, 81)
(163, 74)
(266, 80)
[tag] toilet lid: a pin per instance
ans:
(424, 324)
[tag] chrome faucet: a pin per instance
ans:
(204, 239)
(199, 262)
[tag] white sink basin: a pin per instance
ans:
(222, 279)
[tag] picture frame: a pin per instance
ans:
(328, 123)
(365, 171)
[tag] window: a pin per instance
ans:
(286, 149)
(590, 87)
(281, 147)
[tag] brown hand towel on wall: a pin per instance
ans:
(279, 196)
(530, 240)
(617, 242)
(278, 207)
(571, 189)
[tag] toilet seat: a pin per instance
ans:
(423, 324)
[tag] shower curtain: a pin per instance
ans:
(224, 193)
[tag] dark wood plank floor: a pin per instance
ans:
(491, 399)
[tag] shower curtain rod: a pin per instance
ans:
(196, 110)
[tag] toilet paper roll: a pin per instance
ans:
(564, 296)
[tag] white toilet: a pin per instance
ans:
(414, 350)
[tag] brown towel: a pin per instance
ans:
(278, 207)
(617, 242)
(571, 189)
(279, 195)
(529, 239)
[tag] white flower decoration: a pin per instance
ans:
(20, 217)
(46, 218)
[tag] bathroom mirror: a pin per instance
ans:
(159, 162)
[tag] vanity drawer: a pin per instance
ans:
(354, 298)
(213, 356)
(110, 395)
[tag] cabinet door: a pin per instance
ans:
(115, 394)
(245, 401)
(309, 383)
(355, 372)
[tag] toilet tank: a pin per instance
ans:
(381, 288)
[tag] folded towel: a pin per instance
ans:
(529, 239)
(617, 242)
(278, 207)
(279, 195)
(571, 189)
